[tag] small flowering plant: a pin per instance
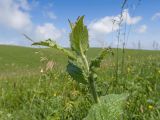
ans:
(80, 69)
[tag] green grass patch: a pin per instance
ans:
(28, 94)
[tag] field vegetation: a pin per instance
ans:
(28, 93)
(78, 83)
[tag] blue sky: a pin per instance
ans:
(42, 19)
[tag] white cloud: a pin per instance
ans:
(130, 20)
(156, 16)
(13, 14)
(15, 17)
(105, 25)
(99, 29)
(48, 30)
(142, 29)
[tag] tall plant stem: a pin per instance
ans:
(123, 56)
(93, 89)
(91, 78)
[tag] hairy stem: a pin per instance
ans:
(90, 77)
(92, 87)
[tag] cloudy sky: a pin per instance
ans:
(42, 19)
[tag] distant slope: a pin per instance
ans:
(15, 59)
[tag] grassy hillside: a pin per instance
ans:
(28, 94)
(16, 58)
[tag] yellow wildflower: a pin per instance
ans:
(150, 107)
(128, 69)
(129, 57)
(41, 71)
(54, 94)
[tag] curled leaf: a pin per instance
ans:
(52, 44)
(95, 63)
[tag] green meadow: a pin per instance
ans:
(34, 84)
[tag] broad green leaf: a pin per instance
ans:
(95, 63)
(110, 107)
(76, 72)
(79, 36)
(52, 44)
